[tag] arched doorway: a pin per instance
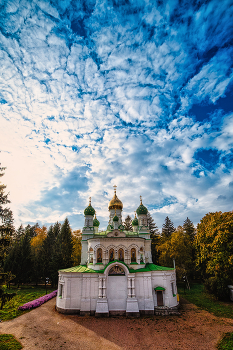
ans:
(116, 289)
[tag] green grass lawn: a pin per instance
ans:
(8, 342)
(226, 343)
(198, 296)
(24, 295)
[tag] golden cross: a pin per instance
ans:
(89, 200)
(141, 199)
(115, 188)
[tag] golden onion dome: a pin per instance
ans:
(115, 202)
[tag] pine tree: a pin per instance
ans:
(152, 225)
(189, 229)
(128, 223)
(154, 235)
(66, 245)
(167, 228)
(6, 223)
(55, 253)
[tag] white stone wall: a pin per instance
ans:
(112, 214)
(82, 291)
(119, 243)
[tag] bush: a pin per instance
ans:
(37, 302)
(218, 287)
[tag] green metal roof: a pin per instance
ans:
(159, 288)
(147, 268)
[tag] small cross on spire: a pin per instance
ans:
(90, 201)
(140, 199)
(115, 188)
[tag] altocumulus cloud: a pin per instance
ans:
(135, 93)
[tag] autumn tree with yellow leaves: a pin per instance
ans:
(214, 252)
(177, 246)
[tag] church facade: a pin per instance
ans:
(116, 275)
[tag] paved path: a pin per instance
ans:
(44, 328)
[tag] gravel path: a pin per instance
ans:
(44, 328)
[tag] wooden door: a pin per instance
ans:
(159, 298)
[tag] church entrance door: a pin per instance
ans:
(117, 293)
(116, 289)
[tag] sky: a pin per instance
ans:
(133, 93)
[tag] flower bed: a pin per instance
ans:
(37, 302)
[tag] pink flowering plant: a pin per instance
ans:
(37, 302)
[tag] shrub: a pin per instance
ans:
(37, 302)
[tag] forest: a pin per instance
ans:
(34, 254)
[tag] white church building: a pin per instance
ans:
(116, 275)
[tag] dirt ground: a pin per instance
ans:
(44, 328)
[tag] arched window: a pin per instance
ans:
(99, 255)
(133, 255)
(111, 254)
(121, 254)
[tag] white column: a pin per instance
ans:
(100, 287)
(104, 288)
(129, 287)
(133, 287)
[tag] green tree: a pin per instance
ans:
(19, 260)
(128, 223)
(154, 235)
(214, 250)
(66, 245)
(168, 227)
(6, 222)
(54, 251)
(189, 229)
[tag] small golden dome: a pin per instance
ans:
(115, 202)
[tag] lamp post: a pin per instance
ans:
(46, 283)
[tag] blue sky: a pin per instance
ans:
(133, 93)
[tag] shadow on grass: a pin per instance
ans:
(198, 296)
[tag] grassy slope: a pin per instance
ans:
(24, 295)
(8, 342)
(198, 296)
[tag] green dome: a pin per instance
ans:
(96, 223)
(135, 222)
(89, 210)
(141, 210)
(115, 218)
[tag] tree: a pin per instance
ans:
(19, 260)
(37, 252)
(214, 249)
(168, 227)
(152, 225)
(179, 247)
(6, 222)
(77, 247)
(54, 251)
(128, 223)
(154, 235)
(189, 229)
(66, 245)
